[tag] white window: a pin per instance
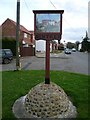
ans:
(25, 35)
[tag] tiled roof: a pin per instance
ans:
(22, 28)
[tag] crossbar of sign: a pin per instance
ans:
(54, 36)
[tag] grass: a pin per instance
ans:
(18, 83)
(0, 95)
(57, 51)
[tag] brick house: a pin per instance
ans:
(26, 37)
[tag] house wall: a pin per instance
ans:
(8, 29)
(21, 35)
(32, 37)
(27, 39)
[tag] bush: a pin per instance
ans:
(81, 50)
(9, 43)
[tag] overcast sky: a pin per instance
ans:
(75, 17)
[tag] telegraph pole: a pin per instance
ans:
(18, 36)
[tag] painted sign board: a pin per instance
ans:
(48, 24)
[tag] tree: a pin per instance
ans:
(54, 43)
(70, 45)
(61, 46)
(86, 43)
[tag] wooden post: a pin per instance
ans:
(47, 72)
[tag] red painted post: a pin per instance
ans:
(41, 33)
(47, 72)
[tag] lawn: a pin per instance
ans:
(18, 83)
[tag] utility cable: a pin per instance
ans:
(52, 4)
(27, 6)
(64, 18)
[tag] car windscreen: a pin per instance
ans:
(8, 51)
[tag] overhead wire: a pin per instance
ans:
(64, 17)
(29, 10)
(52, 4)
(27, 6)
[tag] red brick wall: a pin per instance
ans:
(28, 39)
(21, 35)
(8, 29)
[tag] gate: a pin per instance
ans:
(27, 51)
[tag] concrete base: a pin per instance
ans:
(44, 101)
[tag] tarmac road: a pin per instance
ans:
(76, 62)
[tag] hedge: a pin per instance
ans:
(9, 43)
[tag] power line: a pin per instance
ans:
(52, 4)
(64, 18)
(27, 6)
(69, 25)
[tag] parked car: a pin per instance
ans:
(73, 50)
(67, 51)
(6, 56)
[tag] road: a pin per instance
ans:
(76, 62)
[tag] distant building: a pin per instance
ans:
(80, 46)
(40, 46)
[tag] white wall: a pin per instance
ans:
(80, 46)
(40, 45)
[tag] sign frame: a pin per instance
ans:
(48, 35)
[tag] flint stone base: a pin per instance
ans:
(45, 101)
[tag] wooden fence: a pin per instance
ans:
(27, 51)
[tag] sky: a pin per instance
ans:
(75, 17)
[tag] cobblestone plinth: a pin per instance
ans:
(47, 101)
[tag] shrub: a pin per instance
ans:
(81, 50)
(9, 43)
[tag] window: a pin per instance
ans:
(25, 35)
